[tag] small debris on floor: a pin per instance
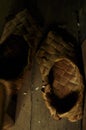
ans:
(39, 122)
(25, 93)
(37, 88)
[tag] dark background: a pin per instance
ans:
(65, 13)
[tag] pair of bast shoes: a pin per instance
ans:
(59, 65)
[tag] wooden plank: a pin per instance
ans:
(41, 119)
(84, 60)
(82, 17)
(23, 114)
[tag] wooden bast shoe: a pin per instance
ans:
(62, 79)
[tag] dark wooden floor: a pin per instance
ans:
(31, 111)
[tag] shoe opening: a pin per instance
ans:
(13, 57)
(65, 104)
(61, 104)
